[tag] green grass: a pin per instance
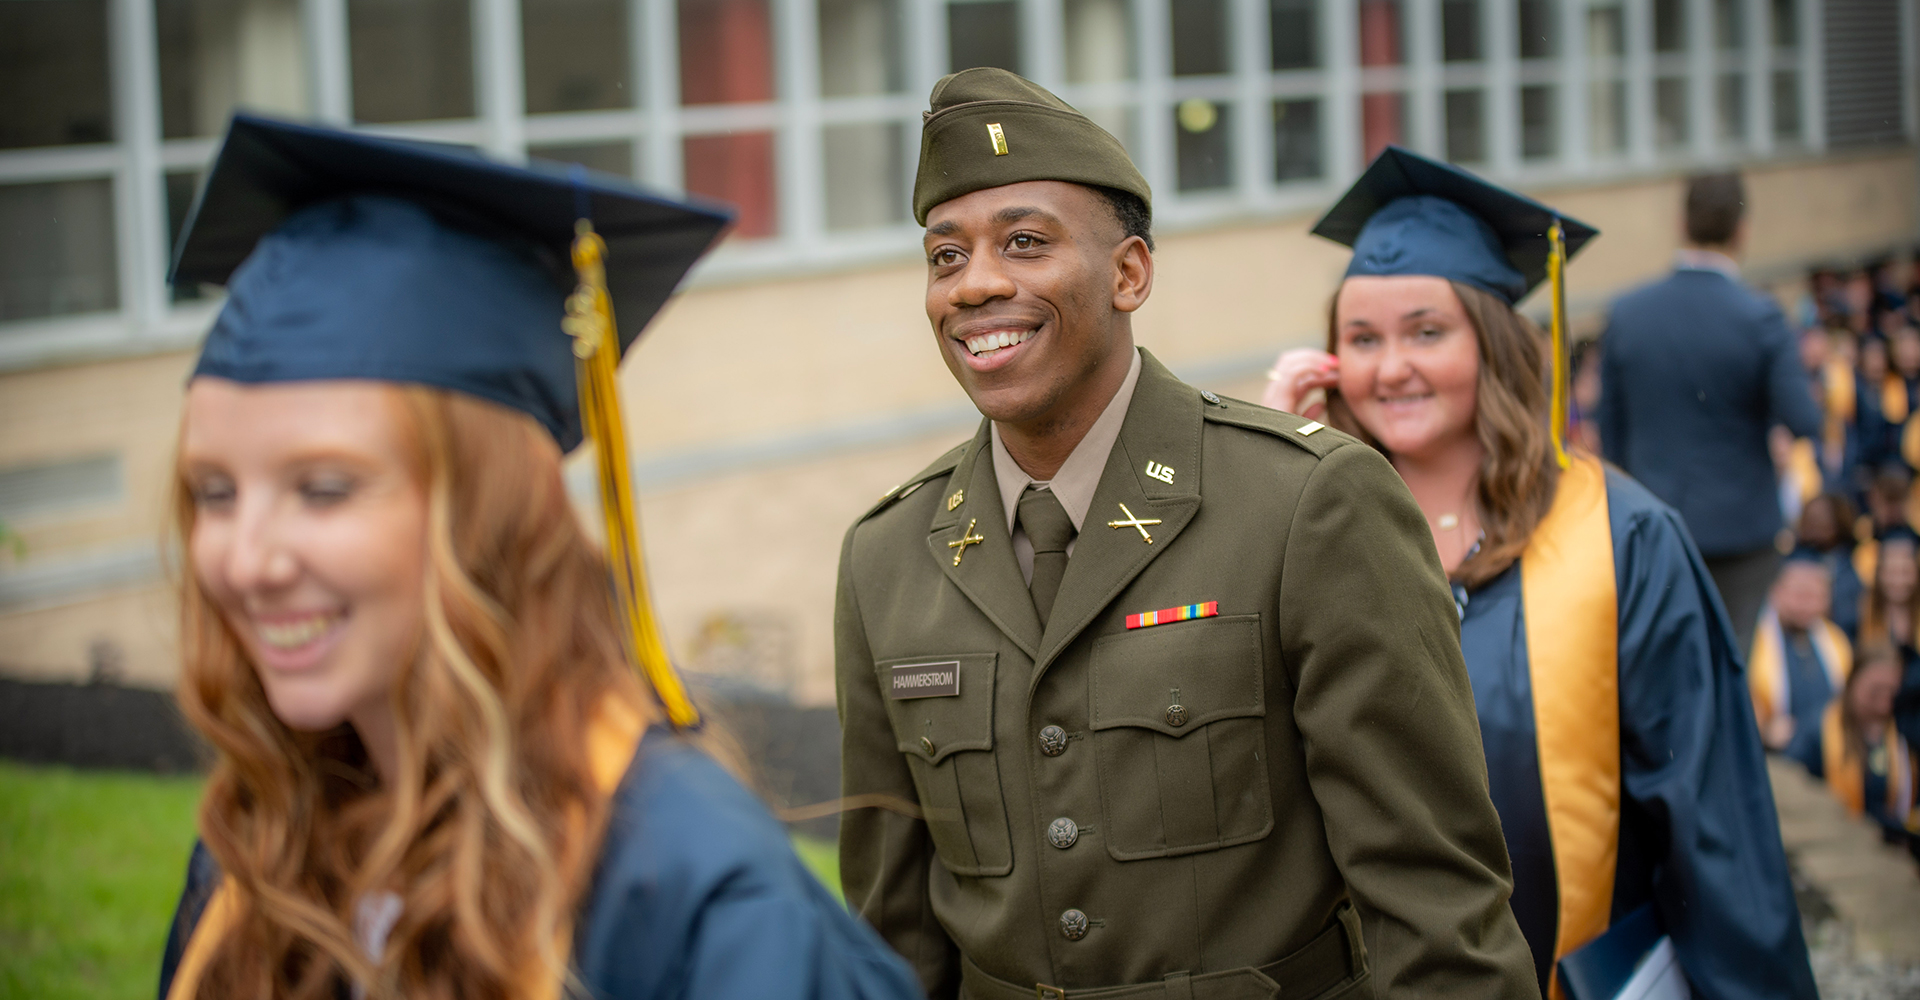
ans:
(91, 864)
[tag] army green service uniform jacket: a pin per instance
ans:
(1206, 808)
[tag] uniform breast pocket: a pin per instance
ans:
(941, 708)
(1179, 736)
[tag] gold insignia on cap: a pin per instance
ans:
(999, 139)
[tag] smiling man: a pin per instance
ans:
(1144, 691)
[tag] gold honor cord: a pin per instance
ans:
(596, 350)
(1557, 288)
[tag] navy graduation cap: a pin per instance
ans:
(1411, 215)
(350, 256)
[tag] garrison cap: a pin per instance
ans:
(986, 127)
(1411, 215)
(349, 256)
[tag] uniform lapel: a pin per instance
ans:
(1163, 428)
(987, 572)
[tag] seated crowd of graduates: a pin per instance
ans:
(1837, 636)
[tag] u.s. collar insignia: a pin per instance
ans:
(1157, 471)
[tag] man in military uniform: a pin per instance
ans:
(1160, 693)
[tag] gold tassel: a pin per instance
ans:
(596, 349)
(1557, 285)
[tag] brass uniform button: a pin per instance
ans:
(926, 743)
(1176, 716)
(1053, 741)
(1062, 833)
(1073, 925)
(1211, 398)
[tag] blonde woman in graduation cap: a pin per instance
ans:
(439, 772)
(1621, 750)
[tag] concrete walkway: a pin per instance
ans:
(1860, 898)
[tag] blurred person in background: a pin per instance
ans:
(1880, 404)
(1893, 598)
(1694, 370)
(1588, 622)
(1825, 531)
(438, 773)
(1867, 764)
(1800, 659)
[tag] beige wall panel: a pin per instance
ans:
(135, 628)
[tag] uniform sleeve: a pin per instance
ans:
(203, 876)
(1695, 794)
(885, 857)
(1789, 398)
(1371, 638)
(1612, 417)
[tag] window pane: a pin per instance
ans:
(1200, 38)
(1606, 33)
(412, 59)
(219, 54)
(58, 257)
(1607, 117)
(576, 55)
(983, 34)
(607, 157)
(1730, 98)
(1380, 26)
(1786, 105)
(1539, 122)
(1296, 140)
(181, 187)
(1466, 126)
(1381, 118)
(1296, 33)
(1669, 25)
(1729, 23)
(53, 73)
(726, 52)
(737, 169)
(1118, 121)
(1460, 30)
(1201, 130)
(859, 47)
(1099, 41)
(866, 175)
(1670, 113)
(1786, 24)
(1538, 34)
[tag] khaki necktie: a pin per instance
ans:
(1049, 529)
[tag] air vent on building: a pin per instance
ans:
(1864, 75)
(36, 491)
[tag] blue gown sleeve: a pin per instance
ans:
(203, 876)
(1698, 820)
(699, 895)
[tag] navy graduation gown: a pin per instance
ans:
(698, 894)
(1698, 834)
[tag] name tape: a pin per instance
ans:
(926, 680)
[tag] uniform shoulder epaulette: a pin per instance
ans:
(940, 467)
(1309, 435)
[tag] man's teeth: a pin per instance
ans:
(987, 343)
(294, 634)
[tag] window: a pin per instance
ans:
(1730, 101)
(1539, 132)
(1460, 30)
(607, 157)
(983, 34)
(1295, 30)
(53, 71)
(412, 59)
(1296, 140)
(1606, 80)
(1201, 128)
(1670, 113)
(1466, 131)
(58, 257)
(1200, 46)
(1786, 24)
(1669, 25)
(216, 55)
(1786, 106)
(866, 175)
(1729, 24)
(860, 48)
(575, 55)
(1536, 21)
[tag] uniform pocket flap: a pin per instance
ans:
(1174, 679)
(939, 704)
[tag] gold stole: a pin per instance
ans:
(1893, 397)
(612, 739)
(1837, 376)
(1572, 622)
(1767, 680)
(1803, 470)
(1847, 773)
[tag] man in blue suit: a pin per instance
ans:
(1695, 368)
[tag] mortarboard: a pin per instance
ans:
(350, 256)
(1408, 214)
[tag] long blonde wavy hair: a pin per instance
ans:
(1519, 472)
(491, 828)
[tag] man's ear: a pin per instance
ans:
(1132, 274)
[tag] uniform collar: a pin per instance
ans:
(1079, 475)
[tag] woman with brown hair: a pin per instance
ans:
(438, 774)
(1620, 747)
(1891, 609)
